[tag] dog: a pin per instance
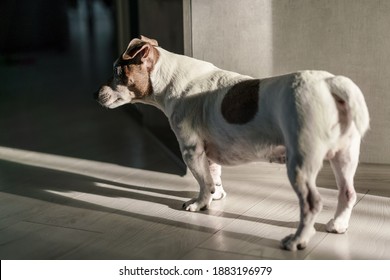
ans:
(225, 118)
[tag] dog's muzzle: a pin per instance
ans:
(103, 96)
(110, 98)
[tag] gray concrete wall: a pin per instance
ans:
(264, 37)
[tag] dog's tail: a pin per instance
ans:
(350, 103)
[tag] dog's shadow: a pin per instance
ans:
(53, 186)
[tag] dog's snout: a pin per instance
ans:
(101, 95)
(96, 95)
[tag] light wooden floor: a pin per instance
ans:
(60, 207)
(81, 182)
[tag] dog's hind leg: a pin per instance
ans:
(344, 166)
(302, 173)
(215, 170)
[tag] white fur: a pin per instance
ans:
(297, 119)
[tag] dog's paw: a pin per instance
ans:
(336, 227)
(219, 193)
(280, 159)
(278, 155)
(195, 205)
(295, 242)
(292, 243)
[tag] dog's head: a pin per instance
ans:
(131, 74)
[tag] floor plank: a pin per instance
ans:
(128, 213)
(367, 236)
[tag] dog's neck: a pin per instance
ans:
(174, 76)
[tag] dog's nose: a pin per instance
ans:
(96, 95)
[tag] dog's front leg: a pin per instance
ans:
(196, 160)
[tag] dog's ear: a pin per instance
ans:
(137, 46)
(153, 42)
(133, 49)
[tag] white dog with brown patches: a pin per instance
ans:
(224, 118)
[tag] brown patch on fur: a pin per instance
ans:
(240, 103)
(139, 80)
(153, 57)
(135, 72)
